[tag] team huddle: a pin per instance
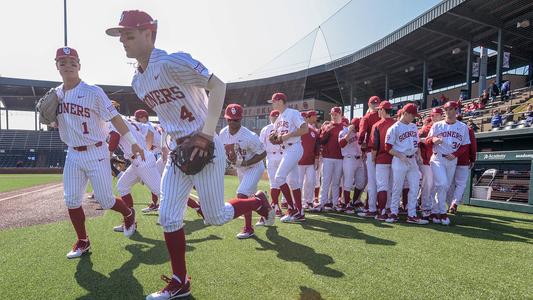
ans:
(309, 167)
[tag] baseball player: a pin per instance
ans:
(82, 114)
(465, 162)
(352, 166)
(158, 147)
(246, 153)
(145, 171)
(174, 86)
(401, 142)
(331, 161)
(273, 158)
(429, 204)
(288, 129)
(308, 163)
(450, 139)
(365, 126)
(382, 159)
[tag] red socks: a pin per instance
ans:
(317, 190)
(356, 194)
(274, 193)
(77, 217)
(176, 249)
(405, 193)
(154, 198)
(247, 215)
(382, 201)
(128, 200)
(287, 193)
(121, 207)
(242, 206)
(346, 197)
(298, 199)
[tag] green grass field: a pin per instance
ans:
(486, 254)
(11, 182)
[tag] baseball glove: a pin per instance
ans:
(117, 165)
(181, 156)
(233, 154)
(47, 107)
(275, 138)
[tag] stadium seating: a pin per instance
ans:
(28, 148)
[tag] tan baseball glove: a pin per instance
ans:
(47, 107)
(275, 138)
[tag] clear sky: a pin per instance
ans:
(233, 38)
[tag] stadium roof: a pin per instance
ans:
(431, 37)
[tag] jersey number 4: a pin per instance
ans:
(186, 114)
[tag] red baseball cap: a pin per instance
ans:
(336, 110)
(311, 113)
(140, 113)
(345, 121)
(303, 114)
(451, 104)
(384, 105)
(278, 97)
(437, 111)
(274, 113)
(133, 19)
(64, 52)
(374, 99)
(355, 122)
(233, 112)
(411, 109)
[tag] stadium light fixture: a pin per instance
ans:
(523, 24)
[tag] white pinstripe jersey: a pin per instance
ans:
(245, 141)
(287, 122)
(82, 115)
(352, 147)
(136, 130)
(454, 136)
(270, 148)
(173, 85)
(403, 137)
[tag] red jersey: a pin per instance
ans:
(330, 141)
(377, 140)
(311, 147)
(426, 149)
(365, 127)
(469, 156)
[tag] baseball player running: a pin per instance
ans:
(82, 114)
(308, 163)
(288, 129)
(402, 143)
(465, 162)
(450, 139)
(365, 126)
(246, 153)
(274, 155)
(139, 170)
(174, 86)
(352, 166)
(331, 161)
(382, 159)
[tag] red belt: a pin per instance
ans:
(84, 148)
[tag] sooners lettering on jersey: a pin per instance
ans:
(403, 137)
(245, 142)
(453, 135)
(82, 115)
(173, 85)
(287, 122)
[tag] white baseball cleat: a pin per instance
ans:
(174, 289)
(246, 232)
(445, 221)
(119, 228)
(152, 207)
(271, 214)
(261, 222)
(79, 248)
(130, 226)
(417, 220)
(286, 218)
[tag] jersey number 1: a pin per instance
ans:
(85, 129)
(186, 114)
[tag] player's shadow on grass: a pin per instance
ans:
(309, 294)
(488, 227)
(340, 230)
(121, 284)
(291, 251)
